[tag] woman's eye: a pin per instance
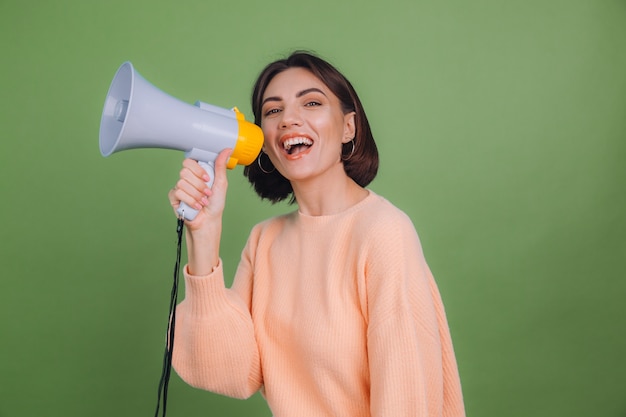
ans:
(271, 111)
(313, 104)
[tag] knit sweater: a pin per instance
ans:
(329, 316)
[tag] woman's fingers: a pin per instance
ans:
(192, 188)
(194, 167)
(185, 192)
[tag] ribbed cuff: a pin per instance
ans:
(205, 294)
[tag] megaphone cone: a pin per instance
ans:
(136, 114)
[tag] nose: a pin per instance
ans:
(290, 117)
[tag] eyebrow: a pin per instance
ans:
(300, 94)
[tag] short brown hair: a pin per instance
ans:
(362, 164)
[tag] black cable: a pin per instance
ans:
(169, 344)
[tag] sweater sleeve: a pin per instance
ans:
(412, 365)
(214, 343)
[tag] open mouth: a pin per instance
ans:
(297, 145)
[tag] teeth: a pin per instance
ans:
(296, 141)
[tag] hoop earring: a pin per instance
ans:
(258, 162)
(347, 158)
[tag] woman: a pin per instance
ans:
(333, 310)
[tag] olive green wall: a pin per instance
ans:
(502, 132)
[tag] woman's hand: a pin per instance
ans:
(192, 189)
(203, 232)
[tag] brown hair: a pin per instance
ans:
(360, 162)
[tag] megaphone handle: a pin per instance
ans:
(183, 209)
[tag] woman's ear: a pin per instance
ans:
(349, 127)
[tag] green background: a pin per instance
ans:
(501, 127)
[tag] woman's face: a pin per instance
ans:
(304, 126)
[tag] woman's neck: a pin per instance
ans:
(321, 198)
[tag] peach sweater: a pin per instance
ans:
(329, 316)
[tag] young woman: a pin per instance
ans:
(333, 310)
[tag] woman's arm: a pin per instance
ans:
(214, 344)
(412, 364)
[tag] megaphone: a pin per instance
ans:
(136, 114)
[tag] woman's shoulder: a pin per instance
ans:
(381, 213)
(272, 224)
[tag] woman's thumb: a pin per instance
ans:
(220, 166)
